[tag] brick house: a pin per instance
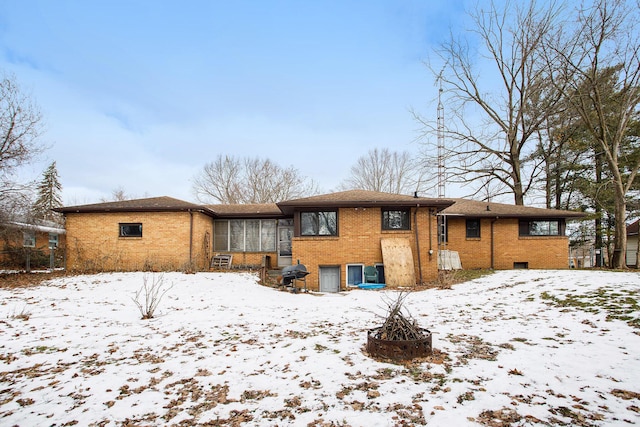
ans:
(334, 235)
(32, 240)
(159, 233)
(501, 236)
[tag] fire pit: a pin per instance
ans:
(399, 349)
(399, 338)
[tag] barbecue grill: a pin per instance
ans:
(292, 273)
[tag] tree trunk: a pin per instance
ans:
(620, 241)
(598, 221)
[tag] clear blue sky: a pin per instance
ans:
(139, 95)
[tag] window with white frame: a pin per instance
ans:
(29, 239)
(355, 274)
(53, 240)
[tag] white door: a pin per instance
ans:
(329, 279)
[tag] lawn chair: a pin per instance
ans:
(370, 275)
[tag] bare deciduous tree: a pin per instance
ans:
(20, 126)
(384, 170)
(596, 64)
(230, 180)
(497, 98)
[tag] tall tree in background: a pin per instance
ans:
(596, 66)
(497, 98)
(20, 127)
(49, 195)
(384, 170)
(230, 180)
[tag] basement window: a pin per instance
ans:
(355, 273)
(130, 229)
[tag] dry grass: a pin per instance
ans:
(23, 280)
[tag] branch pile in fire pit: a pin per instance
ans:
(398, 327)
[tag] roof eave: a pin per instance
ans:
(289, 208)
(135, 209)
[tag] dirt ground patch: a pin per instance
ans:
(22, 279)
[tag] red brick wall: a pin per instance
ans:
(509, 247)
(360, 231)
(93, 242)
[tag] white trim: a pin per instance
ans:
(35, 227)
(346, 276)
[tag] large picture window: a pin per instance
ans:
(553, 227)
(319, 223)
(396, 219)
(130, 229)
(244, 235)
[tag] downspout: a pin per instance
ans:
(430, 236)
(415, 222)
(493, 220)
(190, 238)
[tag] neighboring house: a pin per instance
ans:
(335, 236)
(35, 239)
(632, 244)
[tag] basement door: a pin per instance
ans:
(329, 279)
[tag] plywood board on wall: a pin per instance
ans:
(398, 262)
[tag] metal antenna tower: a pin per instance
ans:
(440, 134)
(442, 220)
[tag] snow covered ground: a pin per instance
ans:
(520, 347)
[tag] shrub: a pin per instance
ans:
(150, 294)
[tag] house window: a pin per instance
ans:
(380, 268)
(319, 223)
(541, 228)
(29, 239)
(473, 229)
(130, 229)
(396, 219)
(355, 273)
(244, 235)
(53, 240)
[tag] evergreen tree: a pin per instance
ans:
(49, 195)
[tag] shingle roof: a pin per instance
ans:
(474, 208)
(152, 204)
(349, 198)
(361, 198)
(264, 210)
